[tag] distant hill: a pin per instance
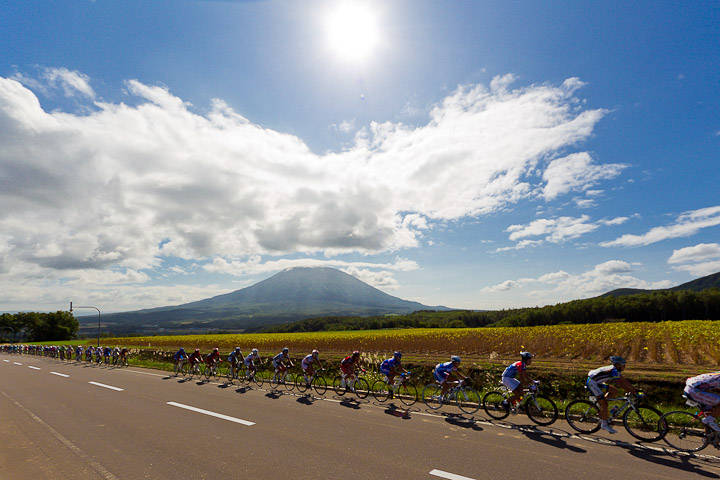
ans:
(288, 296)
(696, 285)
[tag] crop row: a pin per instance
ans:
(685, 342)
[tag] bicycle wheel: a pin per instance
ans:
(583, 416)
(541, 410)
(432, 396)
(274, 382)
(184, 369)
(320, 385)
(380, 390)
(207, 372)
(493, 405)
(337, 386)
(258, 379)
(407, 393)
(177, 369)
(468, 400)
(362, 388)
(300, 383)
(683, 431)
(642, 423)
(231, 374)
(289, 382)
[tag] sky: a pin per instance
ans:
(470, 154)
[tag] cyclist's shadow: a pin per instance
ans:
(464, 422)
(552, 440)
(686, 463)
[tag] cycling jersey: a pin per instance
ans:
(235, 357)
(249, 359)
(349, 360)
(513, 369)
(390, 364)
(706, 381)
(180, 354)
(211, 357)
(604, 374)
(195, 358)
(277, 359)
(309, 359)
(443, 370)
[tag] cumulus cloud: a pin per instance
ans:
(602, 278)
(687, 224)
(699, 260)
(576, 172)
(124, 186)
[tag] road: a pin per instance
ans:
(91, 422)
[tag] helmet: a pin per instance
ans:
(182, 349)
(397, 355)
(526, 355)
(254, 350)
(356, 353)
(216, 349)
(617, 360)
(315, 353)
(455, 358)
(197, 350)
(237, 349)
(285, 350)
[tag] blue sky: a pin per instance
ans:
(470, 154)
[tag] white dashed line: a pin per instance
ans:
(60, 374)
(449, 476)
(16, 363)
(107, 386)
(34, 368)
(212, 414)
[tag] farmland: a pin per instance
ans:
(687, 343)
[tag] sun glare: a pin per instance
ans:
(352, 31)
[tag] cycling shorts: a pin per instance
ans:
(440, 376)
(595, 388)
(511, 383)
(347, 369)
(701, 396)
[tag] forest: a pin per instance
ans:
(38, 327)
(647, 307)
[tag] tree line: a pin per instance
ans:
(38, 327)
(656, 306)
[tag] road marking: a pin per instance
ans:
(6, 361)
(449, 476)
(106, 386)
(16, 363)
(60, 374)
(34, 368)
(104, 472)
(212, 414)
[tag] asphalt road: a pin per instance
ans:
(93, 422)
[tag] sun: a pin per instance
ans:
(352, 31)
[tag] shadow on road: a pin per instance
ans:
(686, 463)
(350, 403)
(398, 412)
(464, 422)
(549, 439)
(274, 394)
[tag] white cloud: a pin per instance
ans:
(699, 260)
(687, 224)
(555, 230)
(122, 187)
(576, 172)
(602, 278)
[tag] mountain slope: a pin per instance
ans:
(287, 296)
(696, 285)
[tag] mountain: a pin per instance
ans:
(696, 285)
(288, 296)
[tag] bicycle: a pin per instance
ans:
(281, 378)
(539, 408)
(466, 398)
(211, 371)
(252, 376)
(686, 431)
(181, 368)
(402, 389)
(194, 370)
(317, 382)
(640, 421)
(358, 385)
(234, 371)
(124, 362)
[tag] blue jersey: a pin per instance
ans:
(445, 368)
(515, 368)
(390, 363)
(180, 354)
(604, 374)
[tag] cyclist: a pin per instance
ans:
(88, 354)
(597, 384)
(106, 353)
(347, 368)
(307, 365)
(98, 355)
(116, 354)
(235, 358)
(704, 390)
(180, 356)
(195, 358)
(390, 367)
(447, 373)
(212, 358)
(250, 362)
(515, 376)
(124, 354)
(278, 362)
(78, 353)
